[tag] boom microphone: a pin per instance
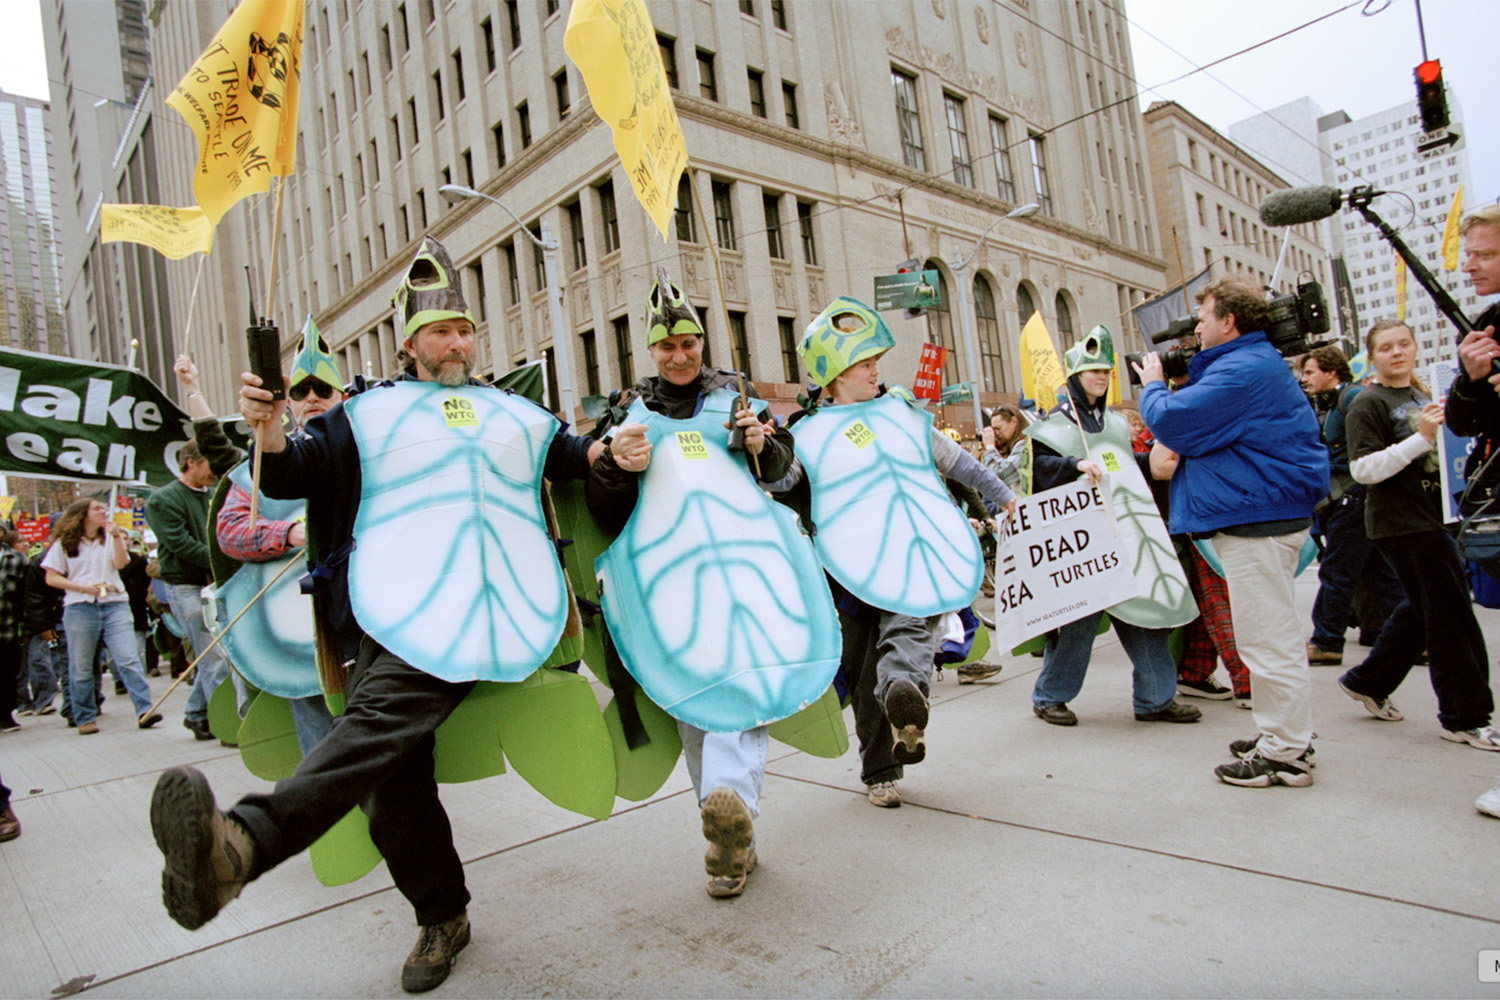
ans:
(1298, 205)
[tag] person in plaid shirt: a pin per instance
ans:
(12, 580)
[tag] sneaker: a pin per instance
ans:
(1483, 738)
(199, 728)
(1244, 748)
(25, 712)
(148, 719)
(1259, 771)
(1488, 803)
(1058, 715)
(48, 710)
(88, 729)
(1172, 713)
(209, 856)
(9, 725)
(971, 672)
(1384, 709)
(10, 827)
(1244, 702)
(885, 794)
(1320, 657)
(906, 710)
(436, 950)
(730, 833)
(1210, 689)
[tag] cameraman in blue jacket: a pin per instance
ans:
(1252, 466)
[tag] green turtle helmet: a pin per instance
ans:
(844, 334)
(430, 290)
(1095, 352)
(315, 360)
(668, 312)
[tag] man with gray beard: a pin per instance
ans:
(429, 455)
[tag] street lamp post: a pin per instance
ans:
(971, 339)
(549, 246)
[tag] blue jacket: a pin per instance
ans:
(1249, 442)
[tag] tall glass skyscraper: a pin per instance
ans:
(31, 316)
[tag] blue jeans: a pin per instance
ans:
(187, 608)
(1349, 559)
(44, 665)
(313, 720)
(736, 761)
(86, 624)
(1066, 660)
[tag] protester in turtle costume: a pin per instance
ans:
(1082, 436)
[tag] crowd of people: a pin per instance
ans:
(1219, 482)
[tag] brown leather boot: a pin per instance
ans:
(437, 948)
(209, 857)
(730, 833)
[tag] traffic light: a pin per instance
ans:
(1432, 101)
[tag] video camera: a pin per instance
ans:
(1174, 359)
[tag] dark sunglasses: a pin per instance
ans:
(299, 391)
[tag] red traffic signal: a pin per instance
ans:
(1432, 101)
(1429, 71)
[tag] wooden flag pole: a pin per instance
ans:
(187, 330)
(734, 354)
(260, 429)
(191, 667)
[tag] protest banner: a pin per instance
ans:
(929, 381)
(86, 421)
(1056, 561)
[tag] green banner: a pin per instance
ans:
(915, 290)
(959, 392)
(66, 418)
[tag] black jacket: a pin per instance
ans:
(1473, 409)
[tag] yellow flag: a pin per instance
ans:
(171, 232)
(1041, 371)
(1450, 231)
(614, 46)
(6, 503)
(1400, 288)
(240, 98)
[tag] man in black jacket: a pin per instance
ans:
(46, 645)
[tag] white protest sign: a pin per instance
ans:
(1056, 562)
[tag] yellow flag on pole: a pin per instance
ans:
(240, 98)
(1400, 288)
(614, 46)
(171, 232)
(1041, 371)
(1450, 231)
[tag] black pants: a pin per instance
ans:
(1438, 616)
(10, 672)
(880, 647)
(378, 756)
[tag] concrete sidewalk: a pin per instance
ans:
(1029, 860)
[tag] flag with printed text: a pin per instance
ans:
(171, 232)
(1450, 231)
(1041, 371)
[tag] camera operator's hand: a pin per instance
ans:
(1432, 418)
(1476, 351)
(1093, 470)
(1150, 368)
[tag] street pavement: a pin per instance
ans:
(1029, 860)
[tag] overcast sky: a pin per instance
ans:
(1354, 62)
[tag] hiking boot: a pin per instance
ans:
(199, 728)
(209, 856)
(885, 794)
(1058, 715)
(1257, 770)
(971, 672)
(730, 833)
(1488, 803)
(906, 710)
(436, 950)
(10, 827)
(1317, 656)
(1210, 689)
(9, 725)
(1483, 738)
(1385, 710)
(88, 729)
(1244, 748)
(1172, 713)
(148, 719)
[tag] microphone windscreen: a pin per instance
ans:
(1298, 205)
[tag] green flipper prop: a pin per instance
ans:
(467, 744)
(345, 853)
(640, 773)
(268, 738)
(978, 648)
(819, 729)
(555, 738)
(223, 715)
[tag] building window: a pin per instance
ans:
(1066, 334)
(575, 231)
(374, 163)
(958, 140)
(476, 283)
(405, 31)
(422, 208)
(622, 351)
(787, 331)
(805, 230)
(610, 215)
(468, 158)
(411, 120)
(1039, 174)
(723, 213)
(1024, 306)
(740, 340)
(1005, 179)
(940, 327)
(747, 7)
(789, 100)
(687, 231)
(778, 14)
(523, 115)
(512, 273)
(458, 75)
(757, 92)
(773, 225)
(909, 120)
(990, 357)
(437, 93)
(487, 30)
(538, 259)
(514, 17)
(385, 48)
(590, 361)
(497, 131)
(560, 88)
(708, 86)
(668, 48)
(403, 217)
(395, 139)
